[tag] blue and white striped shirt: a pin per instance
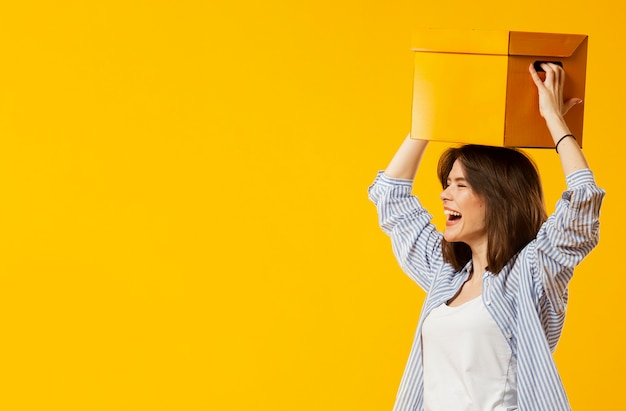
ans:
(527, 299)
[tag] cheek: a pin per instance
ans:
(481, 211)
(483, 214)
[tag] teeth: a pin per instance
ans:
(453, 213)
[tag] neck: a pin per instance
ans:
(479, 255)
(479, 264)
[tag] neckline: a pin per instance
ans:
(477, 298)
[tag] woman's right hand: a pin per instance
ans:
(551, 104)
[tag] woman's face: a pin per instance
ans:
(465, 211)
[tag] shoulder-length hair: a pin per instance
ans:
(508, 182)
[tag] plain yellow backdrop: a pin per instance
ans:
(184, 215)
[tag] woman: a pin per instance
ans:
(497, 277)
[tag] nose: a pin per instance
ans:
(445, 195)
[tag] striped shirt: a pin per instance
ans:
(527, 299)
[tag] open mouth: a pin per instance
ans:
(452, 215)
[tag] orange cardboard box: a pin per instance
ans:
(473, 86)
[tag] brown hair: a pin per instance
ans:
(508, 181)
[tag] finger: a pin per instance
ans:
(556, 79)
(561, 82)
(559, 74)
(570, 103)
(549, 73)
(534, 75)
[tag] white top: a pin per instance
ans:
(468, 364)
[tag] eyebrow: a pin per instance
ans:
(457, 179)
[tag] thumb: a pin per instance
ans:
(570, 103)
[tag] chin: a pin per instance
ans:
(450, 238)
(453, 238)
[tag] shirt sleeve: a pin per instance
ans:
(568, 236)
(415, 240)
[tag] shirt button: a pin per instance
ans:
(509, 336)
(488, 302)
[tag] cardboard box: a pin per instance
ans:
(473, 86)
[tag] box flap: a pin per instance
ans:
(544, 44)
(493, 42)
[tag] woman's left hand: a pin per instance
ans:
(551, 91)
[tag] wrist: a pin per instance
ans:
(566, 136)
(554, 119)
(557, 126)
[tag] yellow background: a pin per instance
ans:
(184, 215)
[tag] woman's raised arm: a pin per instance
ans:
(552, 109)
(405, 162)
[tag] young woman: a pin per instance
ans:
(497, 277)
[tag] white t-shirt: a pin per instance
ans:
(468, 364)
